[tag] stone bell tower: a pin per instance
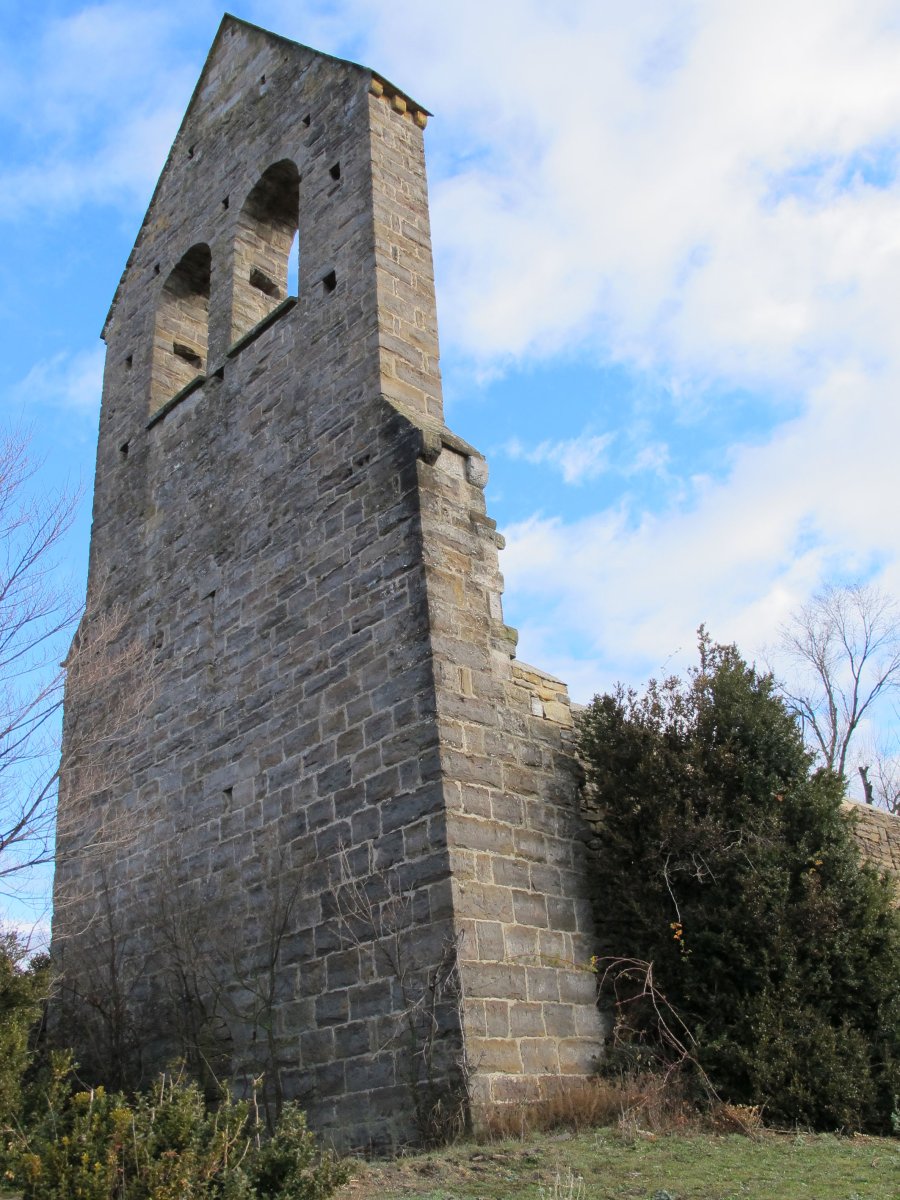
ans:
(347, 853)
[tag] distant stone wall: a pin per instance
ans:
(878, 833)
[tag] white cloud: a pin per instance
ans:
(640, 215)
(587, 456)
(615, 184)
(122, 171)
(628, 587)
(653, 457)
(101, 94)
(577, 459)
(94, 54)
(65, 381)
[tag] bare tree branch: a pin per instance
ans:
(879, 768)
(843, 648)
(36, 617)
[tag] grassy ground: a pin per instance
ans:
(604, 1164)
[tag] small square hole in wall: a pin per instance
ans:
(306, 121)
(123, 449)
(129, 362)
(156, 269)
(225, 201)
(335, 171)
(191, 151)
(329, 281)
(261, 281)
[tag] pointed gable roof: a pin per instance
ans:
(227, 25)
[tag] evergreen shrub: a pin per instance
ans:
(728, 863)
(23, 989)
(167, 1144)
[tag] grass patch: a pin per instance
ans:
(607, 1164)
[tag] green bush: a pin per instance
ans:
(23, 989)
(729, 864)
(290, 1165)
(164, 1145)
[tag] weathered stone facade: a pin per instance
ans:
(348, 852)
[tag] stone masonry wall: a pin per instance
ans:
(878, 834)
(263, 535)
(514, 832)
(346, 848)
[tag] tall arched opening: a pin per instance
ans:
(265, 232)
(182, 326)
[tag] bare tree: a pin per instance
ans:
(100, 999)
(187, 986)
(878, 764)
(38, 665)
(224, 979)
(843, 648)
(36, 617)
(257, 975)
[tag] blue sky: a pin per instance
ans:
(667, 241)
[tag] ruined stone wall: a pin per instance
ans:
(346, 849)
(878, 835)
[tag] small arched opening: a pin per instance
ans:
(182, 327)
(264, 247)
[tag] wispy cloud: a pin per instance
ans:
(121, 172)
(624, 587)
(588, 456)
(66, 381)
(653, 458)
(101, 93)
(577, 459)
